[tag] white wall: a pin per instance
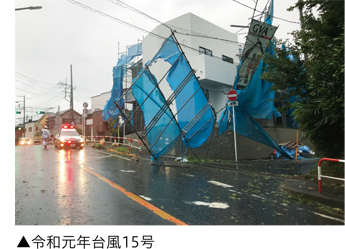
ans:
(98, 102)
(32, 133)
(214, 74)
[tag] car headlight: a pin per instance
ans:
(81, 140)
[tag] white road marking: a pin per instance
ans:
(220, 184)
(128, 171)
(210, 204)
(115, 155)
(329, 217)
(260, 197)
(145, 198)
(234, 191)
(188, 175)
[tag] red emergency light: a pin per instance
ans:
(68, 127)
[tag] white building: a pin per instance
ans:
(214, 59)
(98, 102)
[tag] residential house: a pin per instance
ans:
(55, 121)
(30, 129)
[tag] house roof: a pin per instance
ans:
(62, 113)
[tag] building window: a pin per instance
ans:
(205, 51)
(228, 59)
(30, 129)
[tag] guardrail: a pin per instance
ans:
(319, 171)
(117, 141)
(137, 147)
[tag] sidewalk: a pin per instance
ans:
(293, 174)
(310, 190)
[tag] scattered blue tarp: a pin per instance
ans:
(166, 129)
(110, 110)
(254, 101)
(203, 127)
(303, 152)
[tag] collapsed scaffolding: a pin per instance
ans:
(186, 118)
(194, 119)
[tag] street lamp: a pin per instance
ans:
(30, 8)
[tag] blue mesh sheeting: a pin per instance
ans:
(198, 133)
(257, 97)
(166, 129)
(110, 109)
(223, 122)
(255, 101)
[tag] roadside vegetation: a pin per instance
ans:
(308, 75)
(97, 146)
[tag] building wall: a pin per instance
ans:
(98, 102)
(99, 125)
(30, 130)
(214, 74)
(248, 149)
(54, 123)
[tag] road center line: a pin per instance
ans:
(134, 197)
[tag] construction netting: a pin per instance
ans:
(110, 109)
(194, 113)
(162, 129)
(255, 100)
(189, 123)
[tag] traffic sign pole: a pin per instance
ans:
(232, 96)
(234, 123)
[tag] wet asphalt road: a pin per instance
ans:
(93, 187)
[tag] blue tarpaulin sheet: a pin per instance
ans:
(166, 129)
(110, 110)
(203, 128)
(254, 101)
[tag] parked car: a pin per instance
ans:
(68, 137)
(25, 141)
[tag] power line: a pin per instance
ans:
(32, 79)
(110, 17)
(196, 34)
(25, 91)
(130, 25)
(122, 4)
(45, 91)
(262, 12)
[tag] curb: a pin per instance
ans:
(310, 191)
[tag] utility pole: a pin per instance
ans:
(23, 113)
(66, 86)
(71, 102)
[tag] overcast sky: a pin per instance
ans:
(49, 40)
